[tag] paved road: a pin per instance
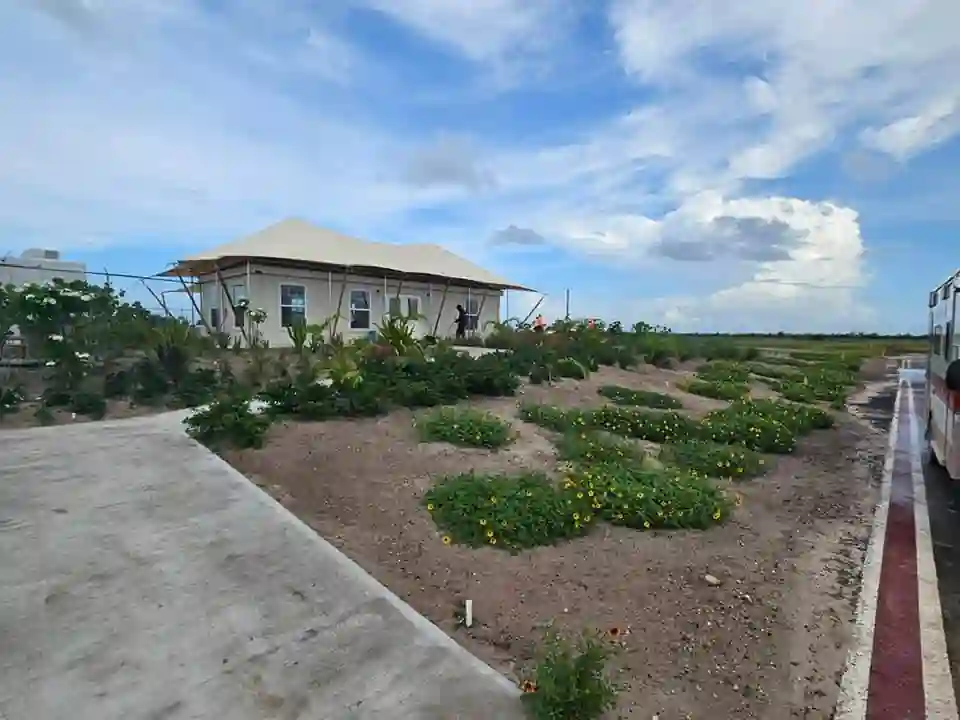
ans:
(141, 577)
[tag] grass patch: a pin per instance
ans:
(512, 512)
(646, 398)
(715, 460)
(569, 681)
(720, 390)
(464, 427)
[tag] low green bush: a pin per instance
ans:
(642, 424)
(464, 427)
(570, 681)
(749, 428)
(627, 396)
(633, 496)
(715, 460)
(511, 512)
(723, 372)
(721, 390)
(228, 422)
(572, 368)
(589, 446)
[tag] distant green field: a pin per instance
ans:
(893, 345)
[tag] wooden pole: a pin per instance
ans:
(480, 313)
(157, 298)
(443, 301)
(530, 314)
(193, 302)
(336, 317)
(233, 307)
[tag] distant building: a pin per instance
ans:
(33, 266)
(39, 266)
(300, 273)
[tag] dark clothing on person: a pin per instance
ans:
(461, 322)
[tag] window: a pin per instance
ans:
(293, 305)
(936, 342)
(238, 293)
(947, 340)
(359, 309)
(406, 305)
(215, 319)
(473, 313)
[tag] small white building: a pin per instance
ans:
(39, 266)
(297, 272)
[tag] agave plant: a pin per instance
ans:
(397, 331)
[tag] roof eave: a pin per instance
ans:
(205, 266)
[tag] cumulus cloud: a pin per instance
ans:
(252, 112)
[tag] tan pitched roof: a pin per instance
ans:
(297, 241)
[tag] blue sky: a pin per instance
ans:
(738, 166)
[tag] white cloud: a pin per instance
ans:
(907, 136)
(179, 119)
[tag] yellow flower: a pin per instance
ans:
(493, 541)
(576, 516)
(646, 524)
(489, 533)
(716, 514)
(430, 506)
(579, 496)
(446, 540)
(483, 522)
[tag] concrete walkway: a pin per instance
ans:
(142, 577)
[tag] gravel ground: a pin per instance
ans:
(767, 640)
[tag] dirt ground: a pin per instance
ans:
(768, 642)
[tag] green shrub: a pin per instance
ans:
(801, 419)
(749, 427)
(552, 417)
(469, 428)
(715, 460)
(511, 512)
(89, 404)
(723, 372)
(643, 424)
(540, 374)
(11, 397)
(228, 422)
(637, 497)
(588, 447)
(569, 681)
(717, 390)
(647, 398)
(571, 368)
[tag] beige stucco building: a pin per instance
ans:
(295, 271)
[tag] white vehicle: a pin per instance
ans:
(943, 378)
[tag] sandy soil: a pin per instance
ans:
(768, 642)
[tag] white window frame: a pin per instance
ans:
(404, 298)
(368, 309)
(281, 306)
(473, 318)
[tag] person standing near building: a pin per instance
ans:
(461, 323)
